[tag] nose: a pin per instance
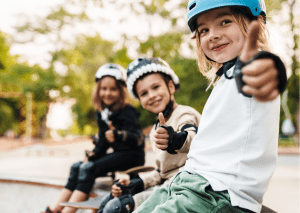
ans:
(214, 34)
(107, 92)
(152, 94)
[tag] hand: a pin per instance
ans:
(89, 154)
(161, 136)
(260, 75)
(117, 191)
(109, 134)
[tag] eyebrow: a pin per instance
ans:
(218, 16)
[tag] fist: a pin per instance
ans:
(161, 136)
(261, 75)
(117, 191)
(109, 134)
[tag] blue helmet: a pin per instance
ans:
(196, 7)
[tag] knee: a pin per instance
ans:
(113, 206)
(86, 172)
(75, 170)
(123, 204)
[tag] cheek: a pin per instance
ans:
(203, 45)
(143, 102)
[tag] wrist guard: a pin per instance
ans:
(237, 72)
(136, 185)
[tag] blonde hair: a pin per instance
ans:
(209, 68)
(98, 103)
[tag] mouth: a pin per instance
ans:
(155, 103)
(219, 47)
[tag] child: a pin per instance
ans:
(154, 83)
(234, 153)
(119, 128)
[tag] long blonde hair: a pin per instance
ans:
(98, 103)
(209, 68)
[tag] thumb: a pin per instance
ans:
(161, 118)
(110, 126)
(251, 44)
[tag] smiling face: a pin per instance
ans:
(153, 92)
(109, 93)
(221, 38)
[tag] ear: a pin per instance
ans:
(260, 19)
(171, 86)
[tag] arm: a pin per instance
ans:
(130, 132)
(178, 139)
(102, 145)
(167, 138)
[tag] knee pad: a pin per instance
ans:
(86, 172)
(104, 201)
(74, 171)
(119, 205)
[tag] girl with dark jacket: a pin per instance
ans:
(119, 129)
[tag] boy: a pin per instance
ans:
(154, 83)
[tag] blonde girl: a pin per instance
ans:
(234, 153)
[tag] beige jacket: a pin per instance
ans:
(166, 163)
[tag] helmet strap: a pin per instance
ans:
(167, 111)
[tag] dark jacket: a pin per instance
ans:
(128, 134)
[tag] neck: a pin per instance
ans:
(114, 106)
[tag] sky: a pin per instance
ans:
(11, 8)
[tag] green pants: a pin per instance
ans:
(188, 193)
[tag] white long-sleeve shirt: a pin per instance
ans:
(235, 148)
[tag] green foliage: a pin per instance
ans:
(8, 115)
(82, 60)
(6, 60)
(287, 142)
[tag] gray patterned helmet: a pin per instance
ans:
(142, 66)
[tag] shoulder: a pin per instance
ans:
(184, 115)
(130, 109)
(129, 112)
(182, 110)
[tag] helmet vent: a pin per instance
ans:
(256, 9)
(192, 6)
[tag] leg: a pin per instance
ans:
(77, 196)
(64, 196)
(68, 190)
(158, 197)
(140, 198)
(189, 193)
(117, 161)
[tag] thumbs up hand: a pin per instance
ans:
(260, 75)
(161, 136)
(109, 134)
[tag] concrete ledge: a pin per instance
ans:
(288, 151)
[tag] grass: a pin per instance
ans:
(287, 142)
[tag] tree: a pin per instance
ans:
(293, 83)
(82, 60)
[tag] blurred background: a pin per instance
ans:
(51, 50)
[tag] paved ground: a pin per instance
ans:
(51, 164)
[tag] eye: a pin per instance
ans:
(202, 31)
(225, 22)
(155, 87)
(143, 94)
